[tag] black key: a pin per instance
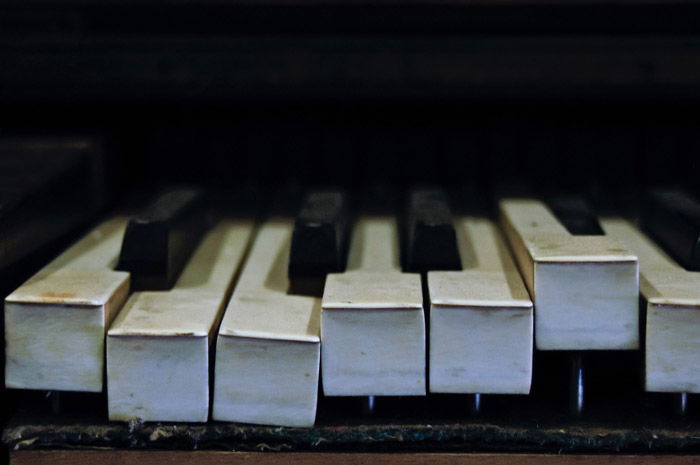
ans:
(672, 218)
(576, 215)
(430, 238)
(159, 241)
(47, 190)
(319, 241)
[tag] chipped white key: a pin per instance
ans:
(268, 349)
(158, 347)
(372, 319)
(55, 323)
(481, 318)
(585, 288)
(672, 297)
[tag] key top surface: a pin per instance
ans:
(431, 242)
(159, 241)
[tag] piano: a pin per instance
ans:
(107, 105)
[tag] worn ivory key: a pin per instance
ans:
(585, 288)
(372, 319)
(268, 349)
(158, 347)
(55, 323)
(481, 318)
(672, 297)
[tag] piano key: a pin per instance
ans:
(372, 319)
(268, 348)
(672, 218)
(319, 241)
(576, 216)
(158, 347)
(431, 242)
(585, 288)
(672, 296)
(481, 318)
(55, 323)
(159, 240)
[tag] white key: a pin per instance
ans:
(672, 297)
(55, 323)
(585, 288)
(372, 319)
(268, 349)
(481, 318)
(158, 347)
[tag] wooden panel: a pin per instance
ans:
(216, 458)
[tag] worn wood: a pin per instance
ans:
(62, 457)
(436, 68)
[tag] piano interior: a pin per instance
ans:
(598, 100)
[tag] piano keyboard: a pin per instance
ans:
(416, 304)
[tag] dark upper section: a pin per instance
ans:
(672, 217)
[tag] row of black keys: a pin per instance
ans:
(159, 241)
